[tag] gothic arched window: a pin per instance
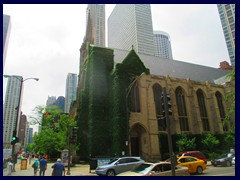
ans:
(221, 109)
(203, 111)
(182, 111)
(157, 93)
(135, 99)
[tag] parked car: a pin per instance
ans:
(119, 165)
(156, 169)
(194, 164)
(224, 160)
(233, 160)
(197, 154)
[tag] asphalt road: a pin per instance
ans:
(218, 171)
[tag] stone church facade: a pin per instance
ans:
(198, 104)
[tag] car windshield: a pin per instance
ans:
(143, 168)
(224, 155)
(113, 160)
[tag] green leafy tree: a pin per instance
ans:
(230, 98)
(210, 142)
(185, 143)
(54, 133)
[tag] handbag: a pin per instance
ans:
(53, 172)
(33, 165)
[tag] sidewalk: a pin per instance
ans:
(78, 170)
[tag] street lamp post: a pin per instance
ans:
(16, 122)
(128, 90)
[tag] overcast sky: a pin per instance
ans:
(45, 42)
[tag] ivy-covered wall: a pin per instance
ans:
(102, 115)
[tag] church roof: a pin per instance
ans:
(174, 68)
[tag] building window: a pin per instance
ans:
(221, 109)
(135, 100)
(157, 93)
(203, 111)
(182, 111)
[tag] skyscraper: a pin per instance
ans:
(6, 34)
(96, 15)
(95, 33)
(130, 25)
(162, 45)
(10, 107)
(71, 91)
(227, 17)
(51, 101)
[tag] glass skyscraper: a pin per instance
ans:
(6, 34)
(163, 47)
(97, 18)
(130, 26)
(71, 91)
(10, 108)
(227, 17)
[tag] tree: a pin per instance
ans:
(209, 142)
(185, 143)
(230, 98)
(53, 137)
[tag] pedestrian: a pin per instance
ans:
(58, 168)
(35, 167)
(43, 166)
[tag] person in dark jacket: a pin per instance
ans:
(59, 168)
(43, 166)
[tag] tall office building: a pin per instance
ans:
(60, 102)
(6, 34)
(10, 108)
(71, 90)
(51, 101)
(227, 17)
(96, 15)
(130, 25)
(162, 45)
(95, 33)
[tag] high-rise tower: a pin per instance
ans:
(130, 25)
(6, 34)
(95, 34)
(96, 14)
(227, 17)
(162, 45)
(10, 107)
(71, 91)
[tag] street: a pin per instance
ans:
(218, 171)
(83, 170)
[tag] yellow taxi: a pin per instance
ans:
(194, 165)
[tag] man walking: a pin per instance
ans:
(58, 168)
(43, 166)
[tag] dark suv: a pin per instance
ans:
(197, 154)
(224, 160)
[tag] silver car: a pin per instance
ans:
(156, 169)
(119, 165)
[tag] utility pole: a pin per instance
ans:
(69, 148)
(167, 111)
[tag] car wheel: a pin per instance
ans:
(199, 170)
(110, 173)
(228, 164)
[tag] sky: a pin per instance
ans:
(45, 41)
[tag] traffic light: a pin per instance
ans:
(163, 106)
(74, 134)
(14, 138)
(169, 105)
